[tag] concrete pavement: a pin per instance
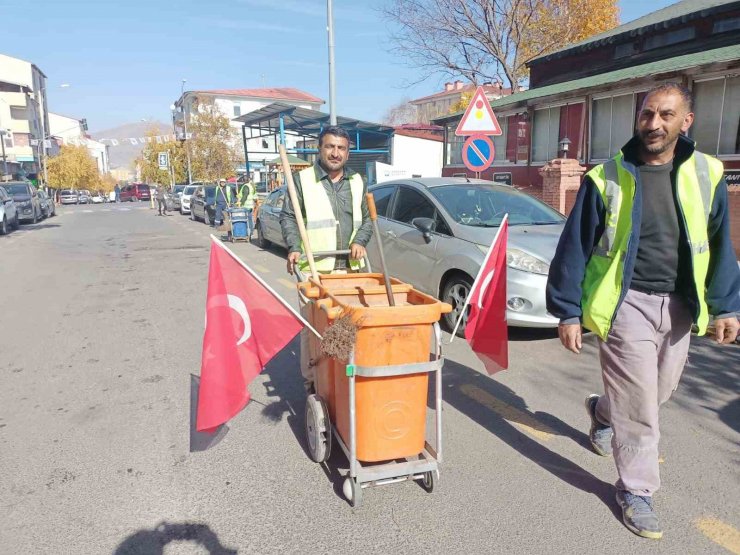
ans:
(102, 324)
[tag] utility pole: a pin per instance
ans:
(185, 123)
(332, 81)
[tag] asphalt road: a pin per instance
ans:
(102, 320)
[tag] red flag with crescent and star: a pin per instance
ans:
(486, 329)
(246, 325)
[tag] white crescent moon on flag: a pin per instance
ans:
(236, 304)
(483, 287)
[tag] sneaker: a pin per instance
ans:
(600, 434)
(638, 515)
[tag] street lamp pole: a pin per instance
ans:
(185, 124)
(332, 81)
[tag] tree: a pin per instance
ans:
(73, 168)
(491, 40)
(148, 161)
(213, 152)
(403, 112)
(461, 104)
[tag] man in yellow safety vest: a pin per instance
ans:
(246, 196)
(646, 253)
(332, 199)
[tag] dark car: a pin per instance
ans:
(202, 204)
(267, 223)
(48, 207)
(135, 192)
(26, 200)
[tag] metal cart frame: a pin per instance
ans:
(321, 432)
(229, 221)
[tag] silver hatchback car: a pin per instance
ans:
(436, 232)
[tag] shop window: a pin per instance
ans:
(18, 112)
(716, 127)
(499, 142)
(612, 120)
(731, 24)
(545, 138)
(454, 146)
(666, 39)
(237, 110)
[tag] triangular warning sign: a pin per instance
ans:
(479, 118)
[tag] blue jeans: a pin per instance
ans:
(250, 222)
(219, 213)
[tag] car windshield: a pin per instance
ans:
(485, 206)
(189, 190)
(19, 189)
(178, 189)
(85, 192)
(67, 192)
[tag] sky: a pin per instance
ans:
(116, 62)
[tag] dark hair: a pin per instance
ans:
(333, 130)
(685, 93)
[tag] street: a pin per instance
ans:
(102, 325)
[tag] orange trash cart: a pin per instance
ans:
(374, 405)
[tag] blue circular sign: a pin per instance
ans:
(478, 153)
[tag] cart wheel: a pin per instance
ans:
(429, 481)
(318, 429)
(352, 490)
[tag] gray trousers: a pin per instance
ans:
(641, 363)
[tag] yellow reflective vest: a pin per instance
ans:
(247, 201)
(321, 223)
(696, 182)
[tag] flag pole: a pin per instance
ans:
(262, 282)
(477, 278)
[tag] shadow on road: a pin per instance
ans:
(39, 226)
(153, 542)
(499, 410)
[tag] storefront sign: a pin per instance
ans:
(503, 177)
(732, 177)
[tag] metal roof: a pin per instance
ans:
(718, 55)
(306, 122)
(680, 12)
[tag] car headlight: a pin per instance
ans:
(520, 260)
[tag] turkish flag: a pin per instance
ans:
(486, 329)
(246, 325)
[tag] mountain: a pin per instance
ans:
(124, 154)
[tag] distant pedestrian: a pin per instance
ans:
(646, 253)
(117, 191)
(245, 197)
(162, 200)
(223, 200)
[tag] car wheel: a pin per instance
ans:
(206, 218)
(455, 291)
(35, 217)
(4, 226)
(261, 241)
(192, 215)
(16, 223)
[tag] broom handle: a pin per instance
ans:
(298, 211)
(374, 217)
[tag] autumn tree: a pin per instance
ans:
(491, 40)
(213, 144)
(461, 104)
(148, 160)
(73, 168)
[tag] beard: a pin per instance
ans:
(667, 140)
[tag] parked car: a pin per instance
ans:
(69, 196)
(135, 192)
(48, 206)
(185, 197)
(84, 196)
(111, 196)
(202, 204)
(267, 221)
(436, 233)
(26, 200)
(8, 213)
(96, 198)
(177, 195)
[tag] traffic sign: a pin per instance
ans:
(478, 153)
(164, 160)
(479, 118)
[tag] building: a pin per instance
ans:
(234, 103)
(417, 148)
(590, 94)
(67, 130)
(439, 104)
(23, 117)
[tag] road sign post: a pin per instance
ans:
(163, 159)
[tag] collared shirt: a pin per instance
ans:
(340, 197)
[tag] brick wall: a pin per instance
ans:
(734, 198)
(560, 176)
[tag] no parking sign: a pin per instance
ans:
(478, 153)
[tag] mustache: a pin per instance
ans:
(652, 134)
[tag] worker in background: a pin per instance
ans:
(246, 196)
(334, 207)
(645, 255)
(222, 201)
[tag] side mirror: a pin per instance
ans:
(426, 226)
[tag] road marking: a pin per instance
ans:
(88, 211)
(525, 422)
(260, 268)
(125, 209)
(720, 533)
(287, 283)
